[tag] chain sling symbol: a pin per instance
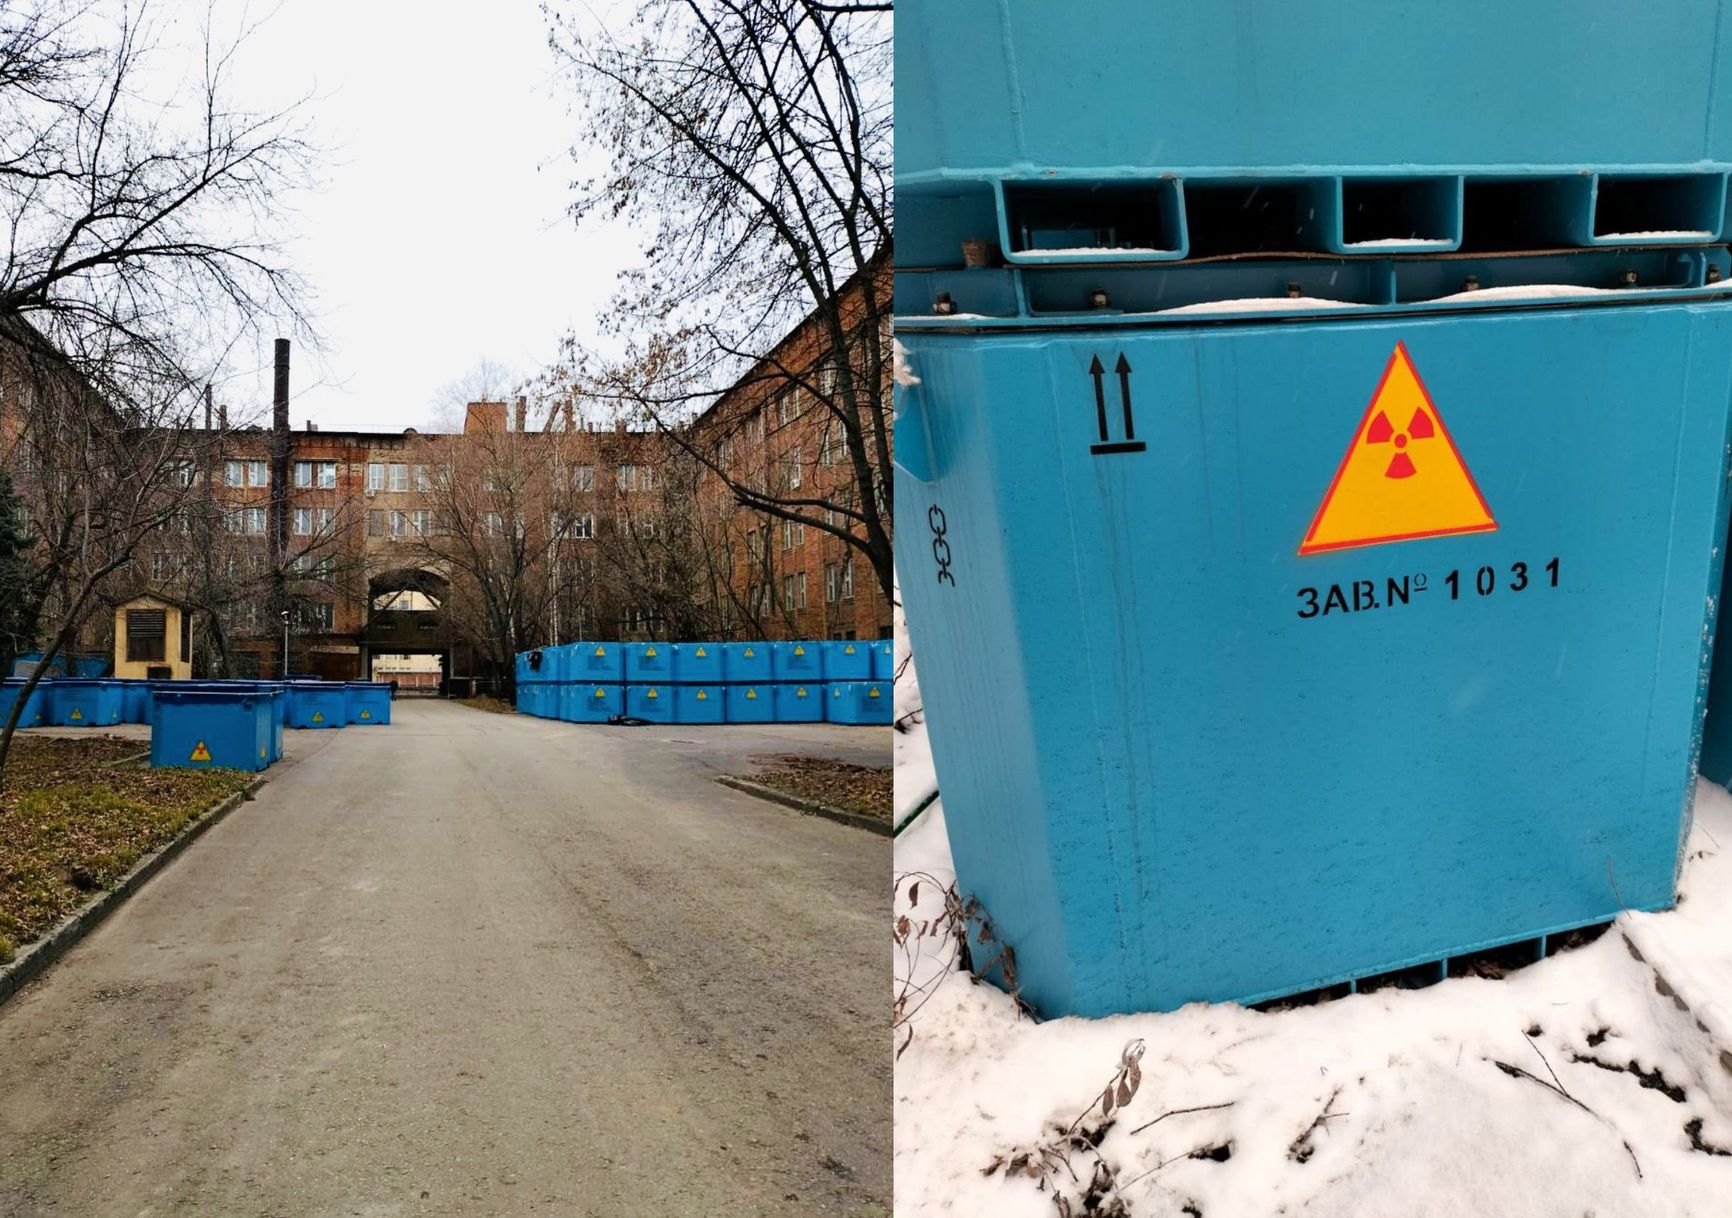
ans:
(1130, 444)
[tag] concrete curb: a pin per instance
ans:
(129, 759)
(808, 806)
(57, 942)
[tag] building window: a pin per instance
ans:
(399, 477)
(422, 481)
(327, 475)
(146, 635)
(246, 520)
(786, 409)
(634, 478)
(791, 468)
(848, 579)
(793, 534)
(234, 473)
(495, 524)
(375, 522)
(326, 518)
(827, 379)
(375, 476)
(832, 581)
(258, 473)
(317, 617)
(583, 478)
(755, 426)
(185, 473)
(159, 567)
(800, 590)
(422, 520)
(303, 522)
(399, 523)
(583, 528)
(787, 591)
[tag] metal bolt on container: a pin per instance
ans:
(1311, 527)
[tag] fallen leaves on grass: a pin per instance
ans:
(69, 826)
(865, 790)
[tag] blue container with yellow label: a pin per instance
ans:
(649, 663)
(700, 704)
(847, 660)
(746, 663)
(206, 727)
(800, 702)
(590, 702)
(858, 702)
(750, 703)
(697, 663)
(598, 662)
(801, 660)
(654, 703)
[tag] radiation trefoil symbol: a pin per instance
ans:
(1403, 478)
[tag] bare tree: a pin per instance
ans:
(752, 137)
(141, 245)
(504, 508)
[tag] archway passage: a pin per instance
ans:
(407, 639)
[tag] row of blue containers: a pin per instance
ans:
(106, 701)
(203, 724)
(708, 663)
(851, 702)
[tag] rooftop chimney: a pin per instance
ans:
(312, 426)
(522, 411)
(484, 416)
(207, 406)
(280, 397)
(223, 417)
(570, 411)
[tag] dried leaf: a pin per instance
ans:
(1124, 1095)
(914, 893)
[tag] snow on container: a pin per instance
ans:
(884, 660)
(368, 703)
(700, 704)
(316, 704)
(1319, 522)
(751, 704)
(85, 702)
(652, 702)
(746, 663)
(847, 660)
(650, 663)
(599, 662)
(32, 714)
(206, 727)
(800, 702)
(858, 702)
(697, 663)
(801, 660)
(591, 702)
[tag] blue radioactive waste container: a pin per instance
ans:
(134, 701)
(271, 690)
(700, 704)
(801, 660)
(858, 702)
(85, 702)
(847, 660)
(316, 704)
(697, 663)
(650, 663)
(750, 703)
(591, 702)
(799, 702)
(11, 688)
(209, 727)
(600, 662)
(884, 660)
(534, 666)
(652, 702)
(1320, 522)
(367, 702)
(746, 663)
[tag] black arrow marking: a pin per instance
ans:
(1097, 371)
(1124, 371)
(1130, 444)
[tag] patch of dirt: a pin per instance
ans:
(865, 790)
(493, 706)
(70, 826)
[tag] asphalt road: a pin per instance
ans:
(476, 964)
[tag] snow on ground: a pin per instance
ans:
(1613, 1098)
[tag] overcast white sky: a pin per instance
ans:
(440, 236)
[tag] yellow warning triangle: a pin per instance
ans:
(701, 652)
(751, 693)
(600, 693)
(601, 651)
(649, 651)
(76, 714)
(799, 651)
(702, 696)
(873, 692)
(800, 692)
(750, 652)
(651, 694)
(199, 752)
(1402, 478)
(318, 716)
(366, 714)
